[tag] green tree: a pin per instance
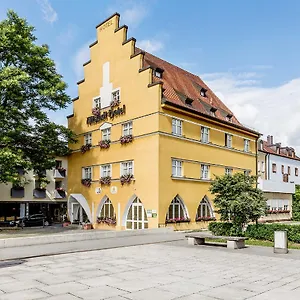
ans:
(29, 87)
(296, 204)
(237, 199)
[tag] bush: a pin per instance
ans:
(258, 232)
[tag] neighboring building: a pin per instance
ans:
(151, 138)
(52, 201)
(278, 171)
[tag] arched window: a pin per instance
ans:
(107, 210)
(177, 210)
(137, 217)
(204, 211)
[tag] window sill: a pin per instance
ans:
(191, 179)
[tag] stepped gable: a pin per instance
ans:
(179, 84)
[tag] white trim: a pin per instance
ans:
(79, 198)
(94, 98)
(114, 90)
(105, 126)
(110, 169)
(121, 165)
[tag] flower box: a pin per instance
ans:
(96, 111)
(277, 212)
(86, 182)
(17, 192)
(178, 220)
(85, 148)
(62, 171)
(126, 178)
(205, 219)
(61, 192)
(107, 220)
(105, 180)
(126, 139)
(115, 103)
(104, 144)
(87, 226)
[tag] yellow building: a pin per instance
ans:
(151, 138)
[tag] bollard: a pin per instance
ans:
(280, 242)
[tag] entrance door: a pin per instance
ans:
(75, 212)
(137, 218)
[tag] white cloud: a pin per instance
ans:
(151, 46)
(270, 110)
(67, 36)
(50, 15)
(132, 13)
(80, 57)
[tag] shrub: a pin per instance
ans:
(256, 231)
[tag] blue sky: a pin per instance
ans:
(246, 51)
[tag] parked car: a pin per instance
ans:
(33, 220)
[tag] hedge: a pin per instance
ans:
(259, 231)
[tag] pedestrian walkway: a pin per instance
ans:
(158, 271)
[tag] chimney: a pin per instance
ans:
(278, 146)
(270, 140)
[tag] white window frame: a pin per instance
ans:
(204, 134)
(204, 172)
(87, 138)
(106, 170)
(177, 168)
(158, 74)
(97, 102)
(87, 173)
(127, 168)
(141, 219)
(107, 209)
(228, 140)
(127, 128)
(115, 91)
(176, 127)
(207, 208)
(246, 145)
(106, 134)
(228, 171)
(286, 204)
(176, 202)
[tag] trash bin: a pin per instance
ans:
(280, 242)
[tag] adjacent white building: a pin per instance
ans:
(278, 171)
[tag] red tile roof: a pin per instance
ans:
(179, 84)
(270, 150)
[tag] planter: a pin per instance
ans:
(62, 172)
(126, 139)
(85, 148)
(205, 219)
(270, 212)
(66, 224)
(178, 220)
(107, 221)
(103, 226)
(86, 182)
(39, 193)
(105, 144)
(114, 103)
(126, 178)
(105, 180)
(17, 192)
(87, 226)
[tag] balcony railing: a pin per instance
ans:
(17, 192)
(276, 187)
(39, 193)
(59, 194)
(59, 173)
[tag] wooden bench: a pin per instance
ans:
(233, 242)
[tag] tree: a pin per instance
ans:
(238, 199)
(29, 87)
(296, 204)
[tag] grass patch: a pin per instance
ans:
(252, 242)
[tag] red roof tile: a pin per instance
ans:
(270, 150)
(178, 84)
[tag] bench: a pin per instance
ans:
(233, 242)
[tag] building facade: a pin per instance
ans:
(151, 139)
(32, 198)
(278, 171)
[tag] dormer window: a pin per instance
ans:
(203, 92)
(97, 102)
(213, 111)
(158, 72)
(189, 101)
(229, 118)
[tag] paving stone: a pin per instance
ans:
(152, 293)
(63, 297)
(101, 280)
(63, 288)
(30, 294)
(183, 288)
(101, 292)
(17, 285)
(195, 297)
(134, 285)
(228, 293)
